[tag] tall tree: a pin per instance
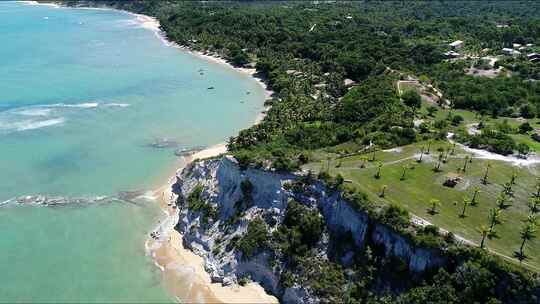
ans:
(484, 231)
(474, 200)
(485, 178)
(466, 202)
(379, 167)
(527, 233)
(503, 201)
(494, 219)
(434, 203)
(439, 161)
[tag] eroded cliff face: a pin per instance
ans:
(212, 238)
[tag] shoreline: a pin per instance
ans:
(183, 272)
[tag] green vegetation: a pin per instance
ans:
(255, 237)
(300, 231)
(196, 203)
(423, 185)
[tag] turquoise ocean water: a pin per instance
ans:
(83, 96)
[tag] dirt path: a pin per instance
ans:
(531, 160)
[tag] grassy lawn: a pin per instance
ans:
(407, 86)
(471, 117)
(422, 184)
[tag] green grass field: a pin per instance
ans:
(470, 117)
(422, 184)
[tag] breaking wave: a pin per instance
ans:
(120, 105)
(25, 125)
(134, 197)
(41, 116)
(34, 112)
(51, 201)
(85, 105)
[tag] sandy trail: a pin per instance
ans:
(530, 161)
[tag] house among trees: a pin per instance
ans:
(456, 44)
(510, 52)
(533, 57)
(451, 54)
(348, 82)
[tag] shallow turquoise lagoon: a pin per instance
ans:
(84, 97)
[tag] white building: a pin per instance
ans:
(456, 44)
(511, 52)
(452, 54)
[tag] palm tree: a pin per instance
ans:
(404, 168)
(534, 205)
(466, 202)
(485, 178)
(379, 166)
(501, 201)
(537, 189)
(419, 160)
(433, 203)
(494, 219)
(383, 190)
(373, 153)
(532, 219)
(527, 233)
(507, 189)
(446, 152)
(464, 169)
(484, 232)
(363, 160)
(453, 151)
(440, 159)
(476, 190)
(513, 178)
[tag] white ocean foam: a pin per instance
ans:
(85, 105)
(120, 105)
(38, 3)
(34, 112)
(29, 124)
(32, 125)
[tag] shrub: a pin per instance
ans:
(255, 237)
(525, 127)
(396, 217)
(412, 99)
(301, 229)
(457, 119)
(196, 203)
